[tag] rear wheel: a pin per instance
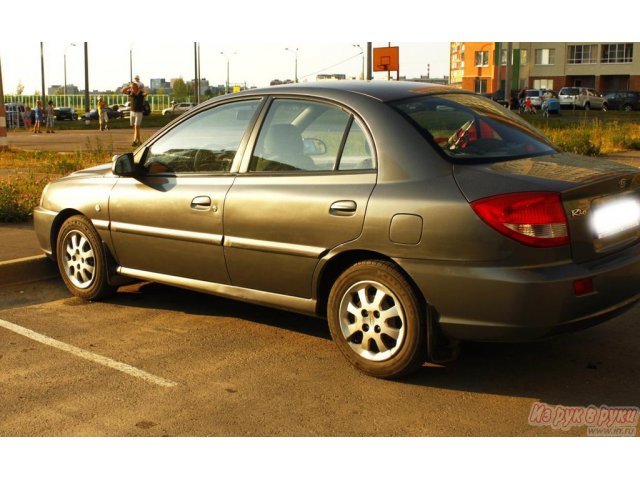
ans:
(377, 320)
(81, 260)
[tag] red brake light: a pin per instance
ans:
(532, 218)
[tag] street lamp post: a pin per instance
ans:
(131, 62)
(227, 57)
(295, 52)
(362, 53)
(64, 88)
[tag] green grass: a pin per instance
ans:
(26, 173)
(590, 132)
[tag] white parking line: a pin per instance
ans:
(107, 362)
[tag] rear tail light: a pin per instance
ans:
(532, 218)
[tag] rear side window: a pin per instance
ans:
(471, 128)
(308, 136)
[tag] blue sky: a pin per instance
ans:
(254, 63)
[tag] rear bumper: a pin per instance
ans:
(481, 303)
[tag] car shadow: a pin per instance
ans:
(593, 367)
(597, 366)
(156, 295)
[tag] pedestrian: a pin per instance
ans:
(37, 117)
(528, 106)
(136, 104)
(137, 80)
(103, 116)
(522, 94)
(26, 118)
(51, 116)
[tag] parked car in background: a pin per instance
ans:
(412, 216)
(125, 109)
(65, 113)
(118, 107)
(93, 114)
(581, 97)
(537, 96)
(178, 108)
(498, 97)
(14, 112)
(623, 100)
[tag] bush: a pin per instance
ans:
(576, 141)
(19, 196)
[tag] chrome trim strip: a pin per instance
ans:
(170, 233)
(100, 224)
(274, 247)
(306, 306)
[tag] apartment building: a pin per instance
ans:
(553, 65)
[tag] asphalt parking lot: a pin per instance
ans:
(181, 363)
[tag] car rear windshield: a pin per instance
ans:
(470, 128)
(570, 91)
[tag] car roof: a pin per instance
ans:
(381, 90)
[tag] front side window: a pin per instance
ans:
(307, 136)
(617, 53)
(472, 128)
(545, 56)
(205, 143)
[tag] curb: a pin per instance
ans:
(28, 269)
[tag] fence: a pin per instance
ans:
(157, 102)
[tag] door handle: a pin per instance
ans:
(201, 203)
(343, 208)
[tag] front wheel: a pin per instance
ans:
(81, 260)
(377, 320)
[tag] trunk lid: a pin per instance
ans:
(601, 199)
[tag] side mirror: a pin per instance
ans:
(123, 165)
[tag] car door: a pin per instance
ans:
(168, 218)
(302, 190)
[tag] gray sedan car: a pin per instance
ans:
(411, 216)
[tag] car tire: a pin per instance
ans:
(628, 108)
(81, 259)
(605, 107)
(377, 320)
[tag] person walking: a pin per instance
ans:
(51, 117)
(26, 118)
(103, 116)
(136, 104)
(38, 114)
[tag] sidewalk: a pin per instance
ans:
(18, 240)
(117, 140)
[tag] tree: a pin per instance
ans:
(180, 89)
(20, 88)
